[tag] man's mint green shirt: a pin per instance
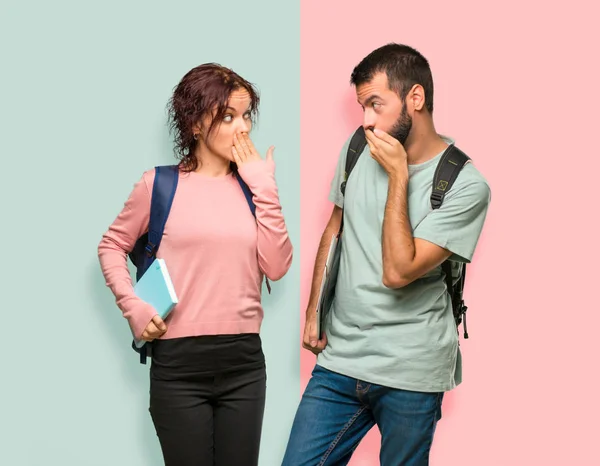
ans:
(401, 338)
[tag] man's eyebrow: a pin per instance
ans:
(371, 99)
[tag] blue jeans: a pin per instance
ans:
(337, 411)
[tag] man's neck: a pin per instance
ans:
(423, 144)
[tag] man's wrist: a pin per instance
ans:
(311, 311)
(398, 176)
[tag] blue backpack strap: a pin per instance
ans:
(163, 192)
(248, 195)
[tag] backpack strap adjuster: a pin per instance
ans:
(150, 249)
(437, 198)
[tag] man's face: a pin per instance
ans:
(383, 109)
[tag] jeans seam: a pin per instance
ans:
(435, 416)
(339, 436)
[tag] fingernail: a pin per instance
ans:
(313, 343)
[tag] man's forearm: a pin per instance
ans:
(320, 261)
(397, 241)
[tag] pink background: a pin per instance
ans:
(515, 87)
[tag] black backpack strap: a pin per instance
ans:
(459, 310)
(355, 148)
(144, 351)
(452, 162)
(357, 145)
(460, 303)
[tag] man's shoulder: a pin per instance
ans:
(472, 182)
(470, 179)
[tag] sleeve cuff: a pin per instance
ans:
(140, 318)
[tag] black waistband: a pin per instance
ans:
(209, 353)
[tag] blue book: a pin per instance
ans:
(156, 288)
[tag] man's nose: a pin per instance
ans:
(369, 120)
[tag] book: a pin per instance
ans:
(328, 282)
(156, 288)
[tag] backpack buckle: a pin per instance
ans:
(149, 249)
(436, 199)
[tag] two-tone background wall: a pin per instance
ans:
(83, 88)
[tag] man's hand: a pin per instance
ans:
(387, 151)
(154, 329)
(310, 340)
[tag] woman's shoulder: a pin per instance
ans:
(149, 175)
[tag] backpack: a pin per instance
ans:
(448, 168)
(144, 251)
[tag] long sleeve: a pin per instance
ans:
(274, 245)
(116, 243)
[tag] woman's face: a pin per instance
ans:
(237, 119)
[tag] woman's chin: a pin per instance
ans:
(228, 158)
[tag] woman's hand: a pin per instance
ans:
(154, 329)
(244, 151)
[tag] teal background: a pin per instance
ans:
(83, 92)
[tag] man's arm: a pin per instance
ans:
(333, 226)
(405, 259)
(311, 340)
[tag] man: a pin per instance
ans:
(391, 345)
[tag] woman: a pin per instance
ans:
(208, 376)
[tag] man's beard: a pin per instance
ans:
(402, 127)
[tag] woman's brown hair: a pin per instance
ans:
(203, 92)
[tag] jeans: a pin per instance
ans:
(336, 412)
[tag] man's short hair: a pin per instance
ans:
(404, 67)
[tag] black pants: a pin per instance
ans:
(207, 399)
